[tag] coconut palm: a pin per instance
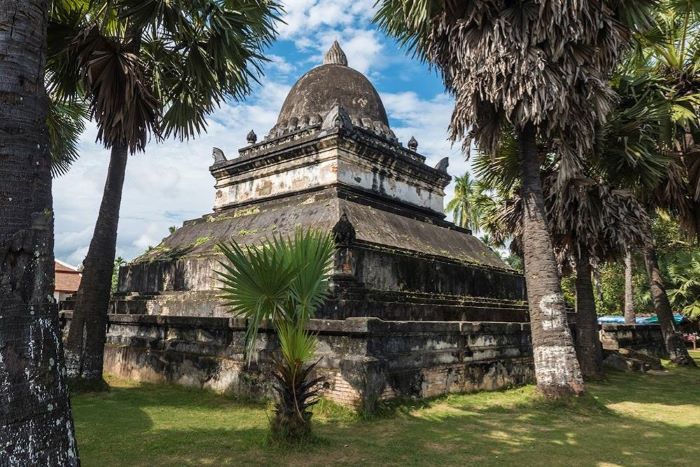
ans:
(539, 69)
(282, 283)
(471, 203)
(36, 426)
(461, 203)
(147, 69)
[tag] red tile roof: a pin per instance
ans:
(67, 278)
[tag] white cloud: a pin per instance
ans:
(303, 17)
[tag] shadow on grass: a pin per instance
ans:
(167, 425)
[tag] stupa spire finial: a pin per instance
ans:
(335, 55)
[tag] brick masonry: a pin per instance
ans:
(363, 360)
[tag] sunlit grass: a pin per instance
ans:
(626, 420)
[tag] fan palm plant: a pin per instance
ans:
(66, 122)
(283, 283)
(665, 67)
(147, 69)
(537, 68)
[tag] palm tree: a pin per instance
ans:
(147, 69)
(588, 221)
(36, 426)
(283, 282)
(513, 66)
(66, 122)
(461, 204)
(666, 67)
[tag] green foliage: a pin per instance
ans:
(683, 272)
(568, 288)
(678, 262)
(471, 204)
(65, 122)
(282, 282)
(156, 68)
(609, 287)
(115, 272)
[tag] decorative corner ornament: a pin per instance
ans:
(443, 164)
(343, 231)
(251, 137)
(412, 144)
(217, 154)
(337, 118)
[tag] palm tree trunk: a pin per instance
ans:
(629, 290)
(86, 339)
(556, 367)
(677, 351)
(36, 425)
(588, 346)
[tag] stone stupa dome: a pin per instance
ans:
(331, 84)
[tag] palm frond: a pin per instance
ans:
(65, 121)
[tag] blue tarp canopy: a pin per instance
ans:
(677, 317)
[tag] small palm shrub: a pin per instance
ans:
(283, 283)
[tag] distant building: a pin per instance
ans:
(67, 280)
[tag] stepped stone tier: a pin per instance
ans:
(331, 162)
(418, 305)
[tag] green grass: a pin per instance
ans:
(629, 419)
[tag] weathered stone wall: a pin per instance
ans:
(363, 359)
(646, 339)
(389, 284)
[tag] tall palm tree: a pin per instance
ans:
(537, 68)
(471, 203)
(147, 69)
(36, 426)
(666, 66)
(461, 204)
(284, 283)
(588, 221)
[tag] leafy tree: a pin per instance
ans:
(665, 68)
(147, 69)
(684, 277)
(514, 67)
(283, 282)
(36, 425)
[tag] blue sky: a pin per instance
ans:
(170, 182)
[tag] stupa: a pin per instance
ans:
(419, 306)
(332, 162)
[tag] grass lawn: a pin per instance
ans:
(627, 420)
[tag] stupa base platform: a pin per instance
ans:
(363, 360)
